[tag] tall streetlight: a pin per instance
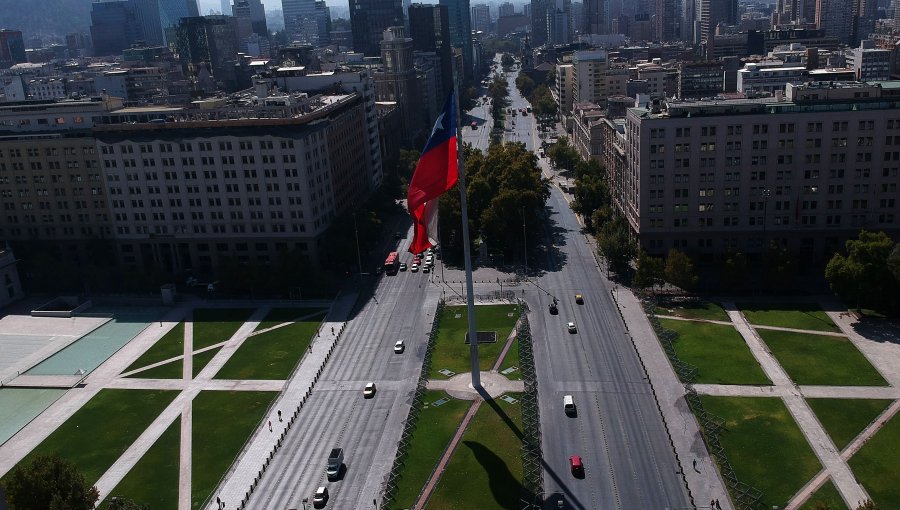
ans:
(524, 240)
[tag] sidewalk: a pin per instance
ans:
(704, 481)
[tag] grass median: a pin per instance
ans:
(877, 465)
(846, 418)
(217, 325)
(451, 352)
(434, 430)
(764, 445)
(486, 470)
(704, 310)
(718, 351)
(788, 315)
(821, 359)
(153, 481)
(169, 346)
(827, 497)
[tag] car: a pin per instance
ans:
(403, 266)
(569, 405)
(571, 327)
(426, 268)
(576, 466)
(429, 260)
(417, 260)
(369, 390)
(553, 309)
(320, 498)
(399, 347)
(414, 268)
(579, 299)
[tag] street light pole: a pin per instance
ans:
(524, 240)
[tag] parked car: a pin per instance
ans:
(369, 390)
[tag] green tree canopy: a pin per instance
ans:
(563, 155)
(863, 276)
(680, 270)
(591, 190)
(651, 271)
(615, 244)
(49, 482)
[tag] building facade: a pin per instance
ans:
(370, 18)
(12, 48)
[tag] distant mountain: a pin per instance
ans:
(46, 17)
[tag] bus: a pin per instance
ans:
(392, 263)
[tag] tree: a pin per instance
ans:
(863, 277)
(506, 60)
(563, 155)
(591, 190)
(525, 85)
(893, 262)
(680, 270)
(868, 505)
(49, 482)
(651, 271)
(615, 244)
(120, 503)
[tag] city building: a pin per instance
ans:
(506, 9)
(171, 13)
(299, 17)
(806, 171)
(458, 13)
(396, 82)
(323, 19)
(769, 77)
(538, 10)
(666, 22)
(370, 18)
(596, 17)
(9, 278)
(135, 85)
(697, 80)
(251, 12)
(563, 89)
(430, 32)
(481, 18)
(870, 63)
(835, 18)
(114, 27)
(12, 48)
(208, 41)
(559, 22)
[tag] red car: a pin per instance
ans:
(576, 466)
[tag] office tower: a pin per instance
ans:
(323, 21)
(596, 17)
(171, 12)
(864, 14)
(666, 20)
(835, 18)
(559, 28)
(208, 40)
(689, 25)
(461, 32)
(538, 22)
(507, 9)
(430, 31)
(397, 81)
(481, 18)
(113, 27)
(253, 13)
(147, 17)
(12, 47)
(368, 21)
(713, 12)
(299, 18)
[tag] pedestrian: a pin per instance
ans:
(718, 507)
(695, 465)
(270, 425)
(279, 415)
(160, 323)
(712, 503)
(332, 330)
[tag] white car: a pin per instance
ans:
(571, 327)
(369, 390)
(414, 268)
(399, 347)
(320, 497)
(426, 269)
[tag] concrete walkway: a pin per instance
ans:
(819, 440)
(704, 480)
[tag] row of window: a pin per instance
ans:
(856, 220)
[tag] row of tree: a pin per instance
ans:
(543, 105)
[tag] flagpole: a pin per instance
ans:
(470, 294)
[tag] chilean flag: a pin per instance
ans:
(436, 172)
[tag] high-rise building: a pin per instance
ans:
(864, 13)
(368, 21)
(430, 31)
(461, 32)
(713, 12)
(507, 9)
(172, 11)
(481, 18)
(559, 26)
(114, 26)
(538, 22)
(12, 47)
(323, 21)
(253, 13)
(396, 82)
(666, 23)
(835, 17)
(299, 17)
(209, 40)
(596, 17)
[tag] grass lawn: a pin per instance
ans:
(821, 360)
(512, 360)
(718, 351)
(98, 433)
(452, 352)
(844, 419)
(169, 346)
(273, 354)
(486, 469)
(826, 495)
(216, 325)
(761, 439)
(278, 316)
(706, 310)
(202, 359)
(153, 480)
(434, 430)
(788, 315)
(877, 465)
(223, 420)
(171, 370)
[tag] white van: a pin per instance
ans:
(569, 405)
